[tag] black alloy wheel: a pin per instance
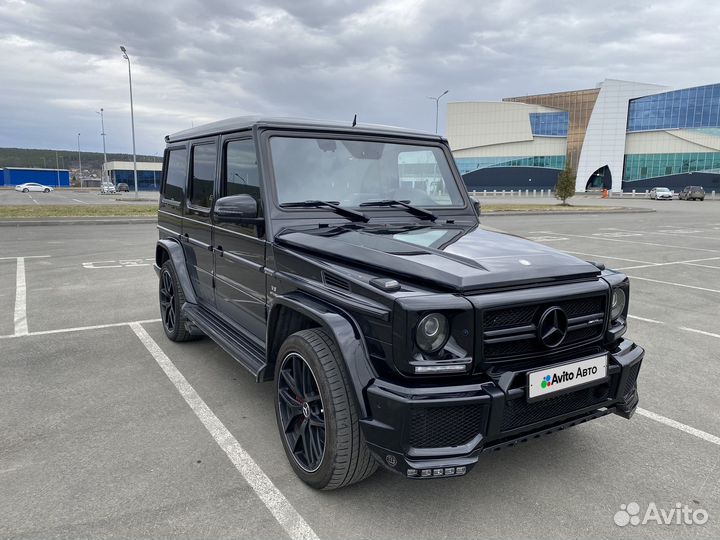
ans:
(301, 412)
(167, 300)
(172, 298)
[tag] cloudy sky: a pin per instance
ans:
(198, 61)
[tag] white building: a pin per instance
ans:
(619, 135)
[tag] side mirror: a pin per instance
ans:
(235, 209)
(476, 205)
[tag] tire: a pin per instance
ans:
(321, 410)
(25, 190)
(172, 298)
(46, 190)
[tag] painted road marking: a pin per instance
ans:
(666, 246)
(78, 200)
(644, 319)
(682, 427)
(546, 238)
(600, 257)
(21, 325)
(124, 263)
(81, 328)
(272, 498)
(709, 334)
(648, 265)
(675, 284)
(26, 257)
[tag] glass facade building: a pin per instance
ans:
(550, 124)
(642, 166)
(680, 109)
(578, 105)
(466, 165)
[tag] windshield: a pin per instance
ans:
(662, 189)
(354, 172)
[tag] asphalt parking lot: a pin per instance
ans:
(111, 430)
(72, 197)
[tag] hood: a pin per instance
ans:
(452, 257)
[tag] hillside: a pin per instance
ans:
(67, 159)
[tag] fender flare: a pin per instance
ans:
(343, 329)
(177, 256)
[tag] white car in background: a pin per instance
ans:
(33, 186)
(107, 189)
(661, 193)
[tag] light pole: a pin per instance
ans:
(437, 107)
(102, 125)
(79, 162)
(132, 118)
(57, 168)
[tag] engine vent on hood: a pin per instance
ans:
(337, 282)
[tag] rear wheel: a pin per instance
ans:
(316, 415)
(171, 300)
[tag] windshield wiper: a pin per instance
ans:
(420, 212)
(333, 205)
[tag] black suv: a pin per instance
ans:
(692, 193)
(346, 264)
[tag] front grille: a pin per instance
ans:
(511, 332)
(440, 427)
(520, 413)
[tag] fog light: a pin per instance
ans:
(460, 470)
(426, 472)
(412, 472)
(437, 472)
(450, 470)
(441, 368)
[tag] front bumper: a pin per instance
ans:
(442, 431)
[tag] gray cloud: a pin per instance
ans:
(199, 61)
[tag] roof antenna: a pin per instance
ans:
(354, 120)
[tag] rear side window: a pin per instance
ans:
(203, 175)
(241, 169)
(174, 188)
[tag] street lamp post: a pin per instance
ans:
(437, 107)
(132, 118)
(79, 163)
(102, 125)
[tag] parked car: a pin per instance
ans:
(33, 186)
(396, 330)
(661, 194)
(121, 186)
(692, 193)
(106, 189)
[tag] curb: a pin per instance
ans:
(75, 221)
(570, 212)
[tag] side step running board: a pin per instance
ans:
(247, 353)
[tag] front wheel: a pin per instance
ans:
(46, 190)
(316, 415)
(25, 190)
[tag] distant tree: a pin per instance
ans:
(565, 187)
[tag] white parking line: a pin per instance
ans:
(666, 246)
(21, 325)
(80, 328)
(675, 284)
(78, 200)
(601, 257)
(653, 321)
(677, 425)
(648, 265)
(284, 512)
(709, 334)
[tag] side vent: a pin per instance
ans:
(337, 282)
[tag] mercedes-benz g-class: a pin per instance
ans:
(346, 264)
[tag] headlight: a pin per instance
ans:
(432, 332)
(618, 303)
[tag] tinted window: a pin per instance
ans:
(241, 169)
(203, 175)
(176, 173)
